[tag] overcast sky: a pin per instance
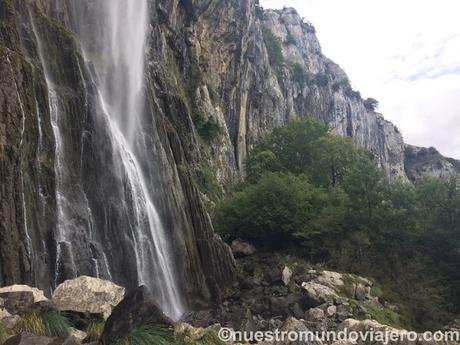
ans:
(404, 53)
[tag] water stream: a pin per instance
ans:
(112, 35)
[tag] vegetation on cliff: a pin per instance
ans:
(311, 189)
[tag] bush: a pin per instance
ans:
(274, 47)
(371, 104)
(298, 73)
(207, 128)
(274, 209)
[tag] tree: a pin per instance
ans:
(276, 208)
(371, 104)
(292, 145)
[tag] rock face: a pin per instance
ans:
(428, 162)
(88, 295)
(95, 195)
(138, 308)
(212, 89)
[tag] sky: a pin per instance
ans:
(404, 53)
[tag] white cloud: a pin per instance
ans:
(405, 53)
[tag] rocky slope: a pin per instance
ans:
(428, 162)
(267, 298)
(213, 88)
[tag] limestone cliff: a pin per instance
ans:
(428, 162)
(213, 87)
(229, 42)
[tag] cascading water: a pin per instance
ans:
(113, 36)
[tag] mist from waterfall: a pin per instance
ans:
(116, 46)
(112, 36)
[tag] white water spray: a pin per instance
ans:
(115, 45)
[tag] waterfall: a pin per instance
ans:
(112, 36)
(120, 80)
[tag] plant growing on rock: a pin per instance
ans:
(371, 104)
(5, 333)
(50, 324)
(274, 47)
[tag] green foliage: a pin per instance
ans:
(385, 316)
(55, 324)
(207, 182)
(207, 128)
(291, 145)
(274, 47)
(50, 324)
(277, 207)
(371, 104)
(308, 185)
(298, 72)
(321, 79)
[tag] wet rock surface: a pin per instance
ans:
(138, 308)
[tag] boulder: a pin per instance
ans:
(286, 275)
(333, 280)
(190, 333)
(3, 312)
(362, 292)
(15, 302)
(331, 310)
(273, 276)
(38, 295)
(88, 295)
(314, 315)
(319, 293)
(136, 309)
(28, 339)
(241, 248)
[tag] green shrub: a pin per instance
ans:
(208, 128)
(274, 47)
(298, 72)
(275, 208)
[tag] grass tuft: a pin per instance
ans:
(147, 335)
(56, 325)
(30, 323)
(94, 330)
(5, 333)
